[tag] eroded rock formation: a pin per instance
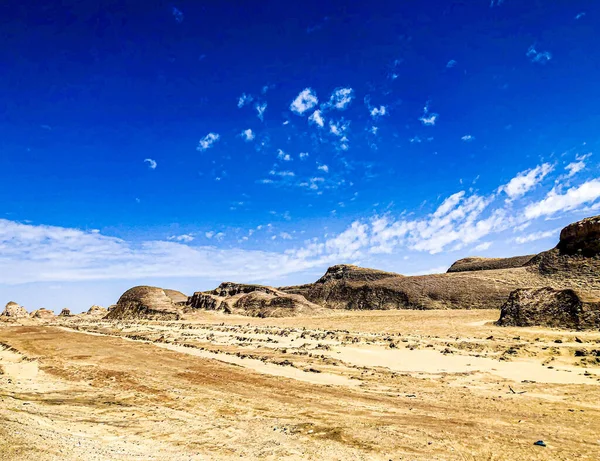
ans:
(476, 263)
(145, 302)
(252, 300)
(549, 307)
(43, 314)
(14, 311)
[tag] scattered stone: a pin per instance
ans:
(540, 443)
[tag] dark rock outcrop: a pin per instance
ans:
(14, 311)
(65, 313)
(251, 300)
(145, 302)
(549, 307)
(475, 263)
(581, 237)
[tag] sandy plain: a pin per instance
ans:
(391, 385)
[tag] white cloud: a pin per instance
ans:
(526, 180)
(303, 155)
(151, 163)
(186, 238)
(494, 3)
(306, 100)
(452, 63)
(428, 118)
(377, 112)
(248, 135)
(281, 155)
(483, 246)
(575, 167)
(244, 99)
(260, 110)
(177, 14)
(580, 15)
(465, 219)
(415, 140)
(285, 236)
(324, 168)
(538, 57)
(341, 98)
(207, 141)
(571, 199)
(317, 118)
(468, 138)
(537, 236)
(283, 174)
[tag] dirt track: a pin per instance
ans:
(378, 385)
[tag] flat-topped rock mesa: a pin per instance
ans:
(477, 263)
(14, 311)
(251, 300)
(581, 237)
(146, 302)
(549, 307)
(43, 314)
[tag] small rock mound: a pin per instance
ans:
(476, 263)
(145, 302)
(14, 311)
(65, 313)
(97, 311)
(549, 307)
(44, 314)
(581, 237)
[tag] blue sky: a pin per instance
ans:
(185, 143)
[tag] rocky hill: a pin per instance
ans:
(252, 300)
(14, 311)
(145, 302)
(476, 263)
(549, 307)
(470, 283)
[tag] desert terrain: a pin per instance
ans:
(498, 359)
(397, 385)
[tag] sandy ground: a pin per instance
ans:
(401, 385)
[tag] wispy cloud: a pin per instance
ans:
(494, 3)
(428, 118)
(186, 238)
(207, 141)
(574, 197)
(452, 63)
(324, 168)
(463, 219)
(580, 15)
(177, 14)
(151, 163)
(281, 155)
(317, 118)
(468, 138)
(534, 236)
(575, 167)
(244, 99)
(260, 110)
(306, 100)
(526, 180)
(540, 57)
(303, 155)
